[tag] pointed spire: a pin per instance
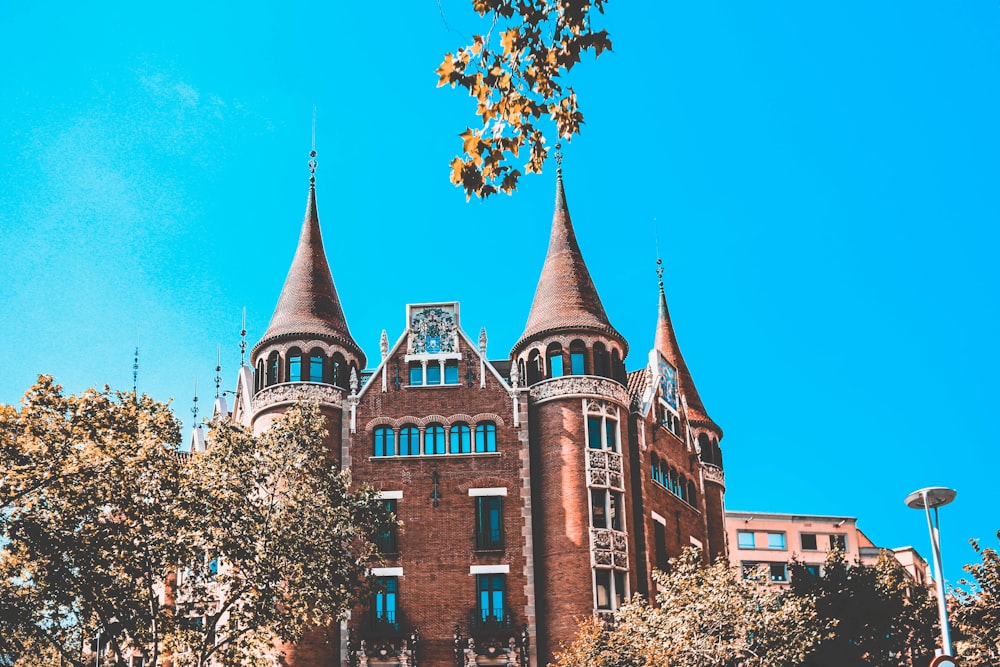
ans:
(666, 344)
(565, 297)
(309, 303)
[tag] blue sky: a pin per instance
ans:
(823, 179)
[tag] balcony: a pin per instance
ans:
(493, 637)
(383, 638)
(580, 385)
(292, 392)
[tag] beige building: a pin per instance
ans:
(773, 540)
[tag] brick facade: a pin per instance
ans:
(595, 475)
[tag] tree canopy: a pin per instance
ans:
(106, 528)
(975, 610)
(703, 617)
(876, 616)
(514, 73)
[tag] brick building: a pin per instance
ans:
(534, 489)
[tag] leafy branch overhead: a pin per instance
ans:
(515, 80)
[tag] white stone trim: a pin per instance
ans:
(387, 572)
(659, 519)
(484, 569)
(696, 543)
(390, 495)
(490, 491)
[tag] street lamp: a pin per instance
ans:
(927, 499)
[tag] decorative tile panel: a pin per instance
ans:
(433, 329)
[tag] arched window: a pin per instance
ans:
(707, 455)
(577, 358)
(434, 439)
(339, 375)
(718, 452)
(461, 438)
(655, 465)
(682, 487)
(534, 367)
(409, 441)
(691, 496)
(486, 437)
(273, 364)
(385, 441)
(664, 473)
(555, 359)
(602, 361)
(294, 371)
(258, 381)
(316, 362)
(520, 369)
(602, 432)
(617, 369)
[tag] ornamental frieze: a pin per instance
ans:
(579, 385)
(291, 392)
(714, 474)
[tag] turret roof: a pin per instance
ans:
(666, 344)
(309, 304)
(565, 297)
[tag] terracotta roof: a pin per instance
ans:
(666, 344)
(638, 381)
(565, 297)
(309, 304)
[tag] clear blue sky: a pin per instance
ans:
(824, 179)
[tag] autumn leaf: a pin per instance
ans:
(517, 80)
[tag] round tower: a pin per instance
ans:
(307, 350)
(308, 353)
(704, 432)
(572, 360)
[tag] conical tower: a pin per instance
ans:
(307, 350)
(701, 429)
(572, 360)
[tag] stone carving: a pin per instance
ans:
(609, 547)
(600, 538)
(515, 375)
(714, 474)
(598, 478)
(603, 558)
(580, 385)
(615, 481)
(290, 392)
(597, 458)
(383, 344)
(615, 462)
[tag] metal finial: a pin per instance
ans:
(659, 270)
(218, 370)
(243, 339)
(312, 168)
(559, 159)
(135, 368)
(194, 408)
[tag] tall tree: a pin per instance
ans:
(107, 529)
(876, 615)
(975, 610)
(87, 499)
(514, 72)
(703, 617)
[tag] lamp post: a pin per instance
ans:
(928, 499)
